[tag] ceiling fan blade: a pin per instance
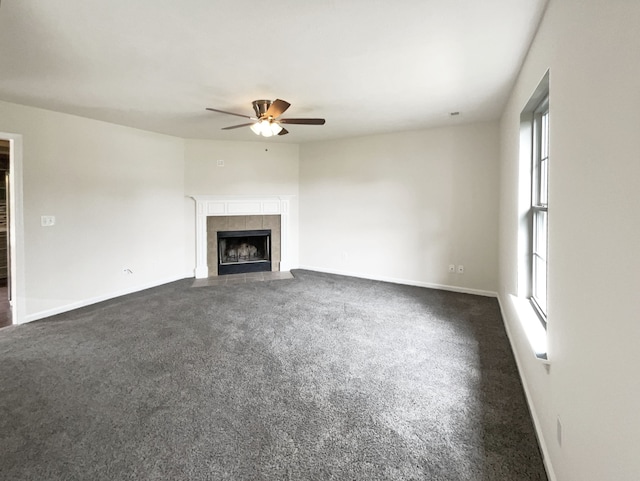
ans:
(302, 121)
(237, 126)
(231, 113)
(283, 131)
(277, 108)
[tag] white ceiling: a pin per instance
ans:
(367, 66)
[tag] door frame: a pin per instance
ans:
(16, 227)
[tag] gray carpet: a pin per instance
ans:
(320, 377)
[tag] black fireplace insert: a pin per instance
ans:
(244, 251)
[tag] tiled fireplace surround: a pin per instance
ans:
(219, 213)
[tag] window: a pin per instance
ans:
(539, 208)
(530, 299)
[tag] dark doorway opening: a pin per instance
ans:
(5, 264)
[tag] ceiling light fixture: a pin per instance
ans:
(266, 127)
(267, 122)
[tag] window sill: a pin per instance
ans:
(534, 330)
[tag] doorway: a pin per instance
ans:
(6, 314)
(13, 302)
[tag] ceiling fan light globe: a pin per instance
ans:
(276, 128)
(256, 128)
(265, 129)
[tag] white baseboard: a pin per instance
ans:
(407, 282)
(94, 300)
(546, 459)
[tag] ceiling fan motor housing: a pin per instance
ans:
(261, 107)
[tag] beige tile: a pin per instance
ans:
(254, 222)
(212, 253)
(208, 282)
(237, 280)
(212, 258)
(233, 279)
(216, 223)
(275, 241)
(271, 222)
(213, 270)
(275, 249)
(238, 222)
(241, 275)
(279, 275)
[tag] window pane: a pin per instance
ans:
(540, 234)
(540, 248)
(544, 158)
(543, 181)
(544, 140)
(539, 203)
(540, 283)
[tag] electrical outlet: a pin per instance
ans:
(461, 269)
(220, 163)
(452, 268)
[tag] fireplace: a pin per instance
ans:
(232, 213)
(244, 251)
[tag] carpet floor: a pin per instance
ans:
(320, 377)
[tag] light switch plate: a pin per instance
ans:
(47, 220)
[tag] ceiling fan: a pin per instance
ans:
(266, 121)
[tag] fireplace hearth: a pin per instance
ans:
(244, 251)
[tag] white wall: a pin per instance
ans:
(404, 206)
(250, 168)
(117, 195)
(592, 384)
(119, 198)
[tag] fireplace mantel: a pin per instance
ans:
(214, 205)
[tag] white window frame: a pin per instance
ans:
(539, 218)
